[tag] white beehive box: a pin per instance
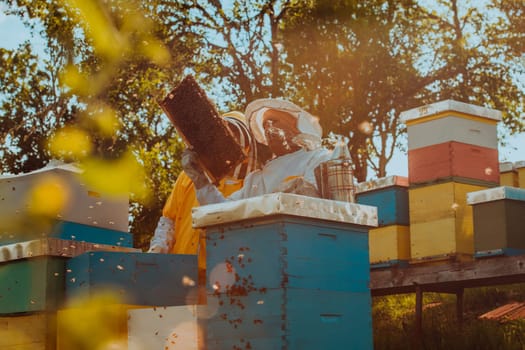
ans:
(81, 204)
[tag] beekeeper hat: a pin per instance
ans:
(238, 126)
(306, 123)
(236, 115)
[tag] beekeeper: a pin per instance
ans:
(174, 232)
(294, 137)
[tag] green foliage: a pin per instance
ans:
(358, 64)
(394, 321)
(105, 69)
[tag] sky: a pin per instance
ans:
(13, 33)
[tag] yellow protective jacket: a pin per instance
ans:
(182, 199)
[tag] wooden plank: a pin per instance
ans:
(448, 276)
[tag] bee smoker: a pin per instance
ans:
(335, 177)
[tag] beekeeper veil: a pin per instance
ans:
(310, 130)
(237, 124)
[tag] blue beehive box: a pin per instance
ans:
(32, 273)
(138, 278)
(389, 195)
(29, 285)
(86, 233)
(287, 271)
(69, 231)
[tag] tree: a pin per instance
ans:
(239, 57)
(355, 64)
(358, 64)
(105, 70)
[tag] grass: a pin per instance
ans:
(394, 321)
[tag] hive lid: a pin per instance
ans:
(496, 193)
(382, 182)
(284, 204)
(449, 105)
(54, 247)
(519, 164)
(51, 166)
(506, 167)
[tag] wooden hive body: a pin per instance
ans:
(83, 205)
(499, 217)
(508, 175)
(33, 331)
(139, 278)
(289, 283)
(389, 245)
(389, 195)
(440, 220)
(450, 160)
(32, 285)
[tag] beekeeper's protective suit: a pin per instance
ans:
(174, 232)
(293, 135)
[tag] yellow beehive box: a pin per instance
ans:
(441, 222)
(508, 175)
(520, 168)
(28, 331)
(389, 244)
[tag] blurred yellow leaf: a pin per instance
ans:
(73, 78)
(156, 52)
(49, 196)
(116, 177)
(107, 41)
(70, 141)
(107, 121)
(96, 322)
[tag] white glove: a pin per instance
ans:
(300, 186)
(192, 168)
(156, 249)
(162, 239)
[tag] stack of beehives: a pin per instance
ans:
(452, 150)
(389, 243)
(46, 217)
